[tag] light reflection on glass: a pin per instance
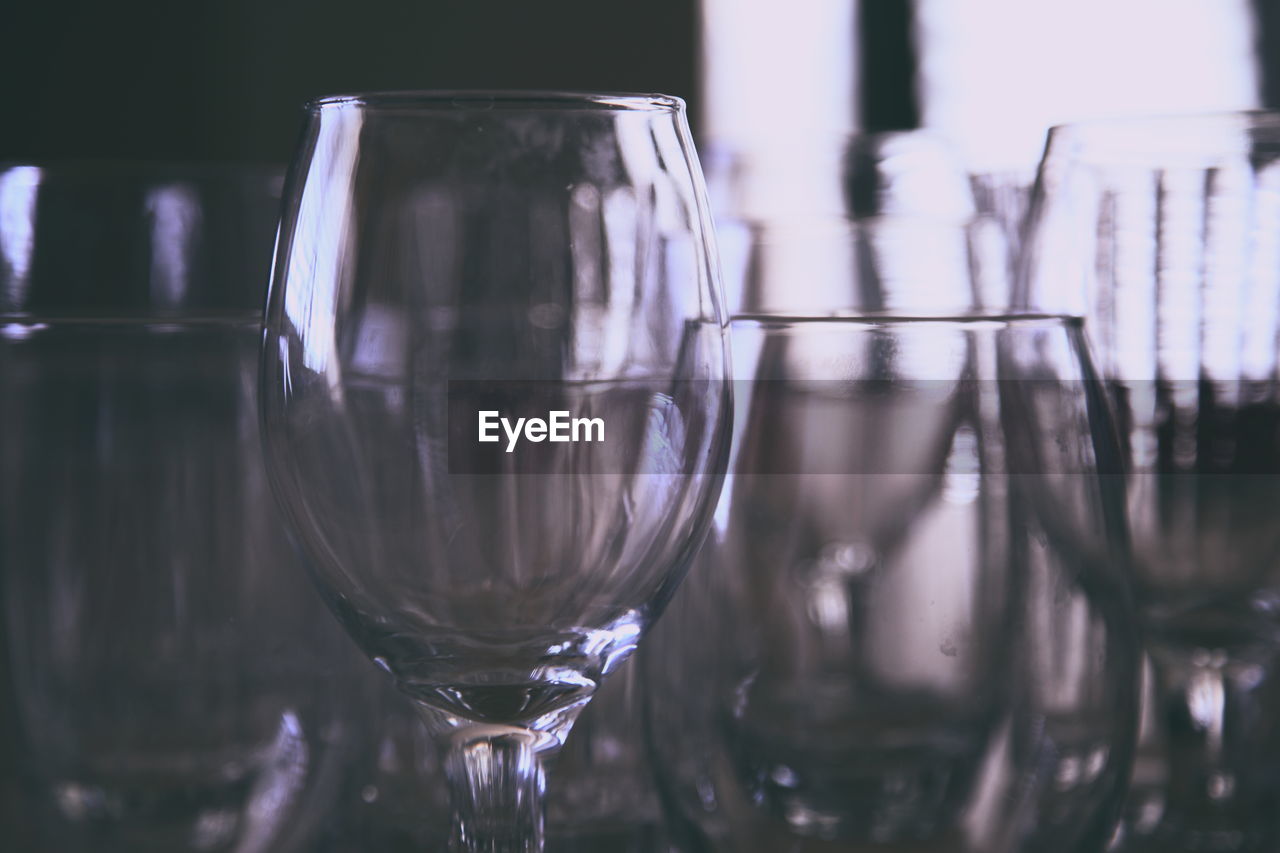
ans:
(19, 187)
(1258, 339)
(174, 211)
(623, 221)
(323, 218)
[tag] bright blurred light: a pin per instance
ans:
(996, 74)
(18, 189)
(780, 98)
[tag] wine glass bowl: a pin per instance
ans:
(1162, 233)
(495, 397)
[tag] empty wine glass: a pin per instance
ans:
(1165, 234)
(455, 272)
(910, 627)
(601, 793)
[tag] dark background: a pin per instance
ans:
(223, 79)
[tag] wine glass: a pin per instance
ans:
(495, 403)
(1165, 234)
(910, 626)
(896, 230)
(175, 685)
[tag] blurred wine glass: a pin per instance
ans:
(446, 257)
(1165, 234)
(177, 687)
(910, 628)
(897, 231)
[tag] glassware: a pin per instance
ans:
(898, 233)
(601, 791)
(176, 687)
(447, 255)
(910, 627)
(1165, 233)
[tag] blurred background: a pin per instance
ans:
(146, 79)
(775, 89)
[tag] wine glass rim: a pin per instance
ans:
(487, 100)
(1176, 138)
(1162, 122)
(146, 170)
(873, 321)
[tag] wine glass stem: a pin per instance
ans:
(1216, 705)
(496, 783)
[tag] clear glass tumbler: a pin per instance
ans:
(177, 684)
(911, 627)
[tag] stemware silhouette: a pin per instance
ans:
(910, 626)
(1165, 233)
(450, 257)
